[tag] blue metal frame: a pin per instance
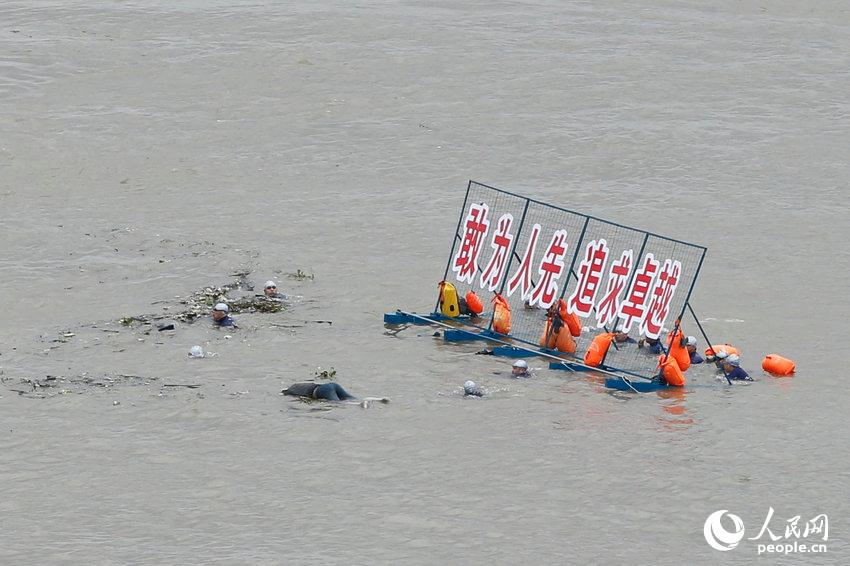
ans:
(484, 332)
(636, 386)
(399, 317)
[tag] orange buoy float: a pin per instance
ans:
(474, 303)
(501, 315)
(777, 365)
(597, 350)
(728, 348)
(671, 371)
(679, 352)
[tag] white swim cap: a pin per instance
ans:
(521, 364)
(270, 284)
(721, 354)
(469, 385)
(196, 352)
(732, 360)
(221, 307)
(692, 341)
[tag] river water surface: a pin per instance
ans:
(148, 149)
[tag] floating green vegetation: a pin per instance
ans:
(325, 373)
(301, 275)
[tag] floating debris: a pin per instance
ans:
(325, 373)
(301, 275)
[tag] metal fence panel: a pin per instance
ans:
(612, 276)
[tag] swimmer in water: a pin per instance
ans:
(331, 391)
(520, 369)
(470, 389)
(622, 337)
(692, 351)
(221, 317)
(270, 291)
(732, 369)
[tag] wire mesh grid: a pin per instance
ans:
(533, 254)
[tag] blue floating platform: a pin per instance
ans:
(567, 366)
(461, 335)
(405, 318)
(511, 352)
(639, 386)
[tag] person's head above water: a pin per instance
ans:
(220, 311)
(469, 385)
(731, 361)
(692, 344)
(270, 289)
(520, 367)
(620, 335)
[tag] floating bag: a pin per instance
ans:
(679, 352)
(571, 320)
(473, 303)
(548, 338)
(574, 324)
(564, 342)
(670, 370)
(449, 305)
(777, 365)
(728, 348)
(559, 339)
(598, 348)
(501, 315)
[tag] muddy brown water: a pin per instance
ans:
(148, 149)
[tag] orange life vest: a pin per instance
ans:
(474, 303)
(565, 342)
(671, 371)
(597, 350)
(728, 348)
(501, 315)
(548, 338)
(777, 365)
(678, 352)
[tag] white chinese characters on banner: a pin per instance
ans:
(634, 307)
(491, 277)
(662, 294)
(589, 274)
(636, 293)
(522, 277)
(465, 262)
(618, 276)
(551, 267)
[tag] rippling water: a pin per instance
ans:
(150, 148)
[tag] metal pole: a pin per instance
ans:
(575, 254)
(510, 260)
(454, 240)
(704, 335)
